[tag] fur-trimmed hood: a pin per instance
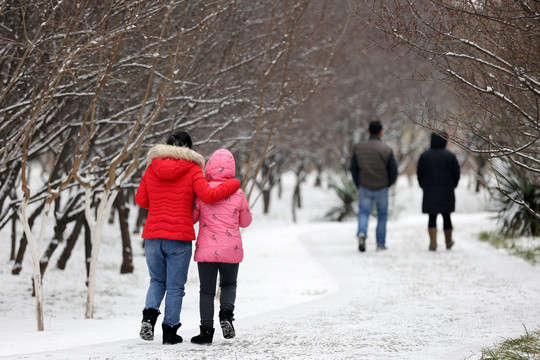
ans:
(163, 151)
(164, 160)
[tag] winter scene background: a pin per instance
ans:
(304, 292)
(289, 87)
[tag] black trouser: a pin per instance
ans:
(447, 222)
(208, 272)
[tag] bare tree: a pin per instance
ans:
(488, 52)
(95, 84)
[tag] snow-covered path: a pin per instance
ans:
(305, 292)
(406, 303)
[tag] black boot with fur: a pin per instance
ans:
(169, 334)
(147, 325)
(225, 320)
(205, 337)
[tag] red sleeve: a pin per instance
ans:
(141, 198)
(210, 195)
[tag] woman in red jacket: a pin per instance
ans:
(174, 174)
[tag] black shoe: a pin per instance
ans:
(169, 334)
(225, 320)
(361, 242)
(147, 325)
(205, 337)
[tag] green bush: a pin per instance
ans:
(347, 193)
(527, 250)
(524, 347)
(516, 193)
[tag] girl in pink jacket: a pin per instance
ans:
(219, 247)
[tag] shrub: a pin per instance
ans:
(525, 248)
(518, 199)
(524, 347)
(347, 194)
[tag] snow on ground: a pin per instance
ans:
(304, 292)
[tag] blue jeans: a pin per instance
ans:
(366, 198)
(168, 264)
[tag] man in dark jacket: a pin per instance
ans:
(374, 170)
(438, 176)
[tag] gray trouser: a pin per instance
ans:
(208, 272)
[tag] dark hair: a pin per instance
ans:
(180, 138)
(375, 127)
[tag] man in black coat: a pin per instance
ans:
(438, 176)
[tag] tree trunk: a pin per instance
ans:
(127, 253)
(13, 237)
(141, 218)
(44, 262)
(35, 249)
(297, 198)
(17, 267)
(58, 237)
(87, 248)
(266, 201)
(96, 226)
(293, 210)
(318, 179)
(70, 243)
(39, 298)
(481, 162)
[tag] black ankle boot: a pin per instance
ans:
(147, 325)
(169, 334)
(205, 337)
(225, 320)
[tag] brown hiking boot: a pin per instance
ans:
(432, 239)
(448, 238)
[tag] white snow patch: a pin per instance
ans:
(304, 291)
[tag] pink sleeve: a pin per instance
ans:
(196, 209)
(245, 213)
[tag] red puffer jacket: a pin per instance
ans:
(167, 189)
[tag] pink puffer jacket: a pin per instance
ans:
(219, 237)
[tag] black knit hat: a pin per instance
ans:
(438, 139)
(375, 127)
(180, 138)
